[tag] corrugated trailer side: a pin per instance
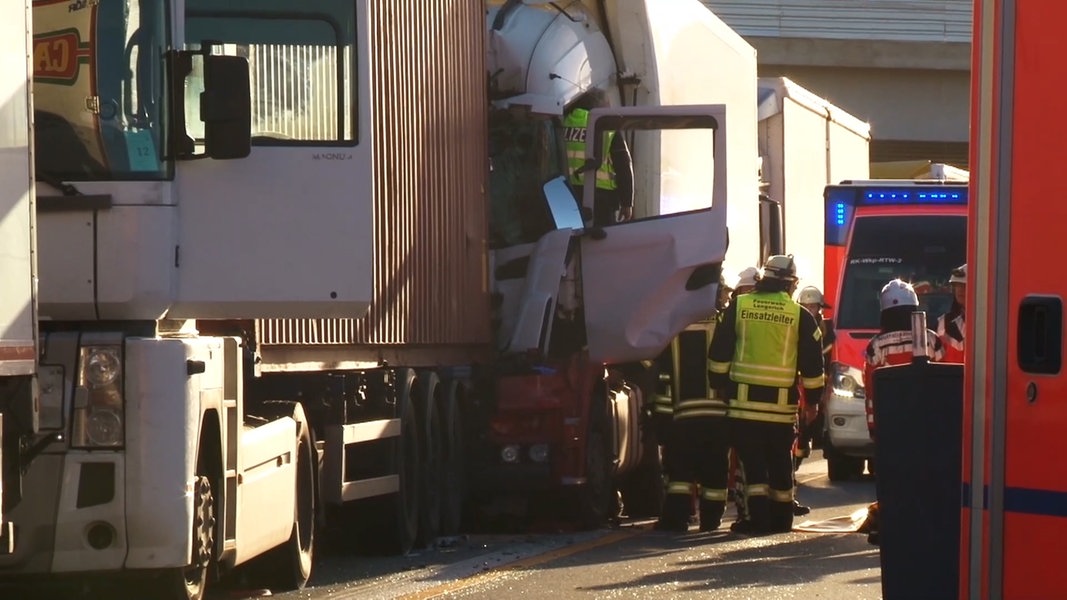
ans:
(431, 306)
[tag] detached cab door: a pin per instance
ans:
(645, 280)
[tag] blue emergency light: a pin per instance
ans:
(885, 196)
(842, 201)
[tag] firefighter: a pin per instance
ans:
(614, 198)
(764, 339)
(892, 346)
(950, 325)
(746, 282)
(893, 343)
(698, 440)
(810, 425)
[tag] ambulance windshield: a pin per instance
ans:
(98, 92)
(922, 249)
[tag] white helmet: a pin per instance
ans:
(959, 275)
(749, 276)
(898, 293)
(811, 295)
(781, 267)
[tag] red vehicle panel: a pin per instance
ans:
(1015, 485)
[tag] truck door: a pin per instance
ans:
(645, 280)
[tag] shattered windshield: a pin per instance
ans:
(524, 154)
(98, 89)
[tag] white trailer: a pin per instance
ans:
(18, 314)
(806, 143)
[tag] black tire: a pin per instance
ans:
(190, 583)
(288, 567)
(453, 489)
(597, 501)
(838, 468)
(401, 510)
(643, 490)
(431, 442)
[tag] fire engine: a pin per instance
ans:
(1014, 483)
(878, 230)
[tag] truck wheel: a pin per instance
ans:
(453, 489)
(427, 389)
(643, 489)
(597, 501)
(402, 508)
(288, 566)
(191, 582)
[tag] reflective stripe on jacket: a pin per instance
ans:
(574, 132)
(768, 326)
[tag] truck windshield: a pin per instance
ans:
(922, 249)
(97, 84)
(300, 61)
(524, 153)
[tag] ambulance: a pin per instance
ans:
(878, 230)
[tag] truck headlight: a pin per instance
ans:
(847, 381)
(99, 405)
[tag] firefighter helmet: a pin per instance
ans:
(780, 267)
(748, 277)
(898, 293)
(811, 295)
(959, 275)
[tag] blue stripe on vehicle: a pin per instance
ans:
(1027, 501)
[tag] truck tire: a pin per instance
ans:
(643, 489)
(401, 510)
(190, 583)
(288, 566)
(431, 442)
(453, 489)
(597, 501)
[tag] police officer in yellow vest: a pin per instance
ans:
(763, 341)
(697, 446)
(614, 199)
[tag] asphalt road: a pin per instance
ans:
(629, 561)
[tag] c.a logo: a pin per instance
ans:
(57, 56)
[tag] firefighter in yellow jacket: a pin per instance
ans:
(697, 443)
(762, 342)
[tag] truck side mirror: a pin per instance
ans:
(566, 213)
(226, 107)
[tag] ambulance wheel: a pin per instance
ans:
(843, 468)
(431, 442)
(288, 567)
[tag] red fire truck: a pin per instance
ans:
(877, 230)
(1014, 516)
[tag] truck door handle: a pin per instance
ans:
(1040, 335)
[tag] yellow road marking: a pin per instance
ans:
(486, 576)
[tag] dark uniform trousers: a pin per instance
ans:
(764, 449)
(698, 439)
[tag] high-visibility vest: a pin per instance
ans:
(768, 329)
(575, 125)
